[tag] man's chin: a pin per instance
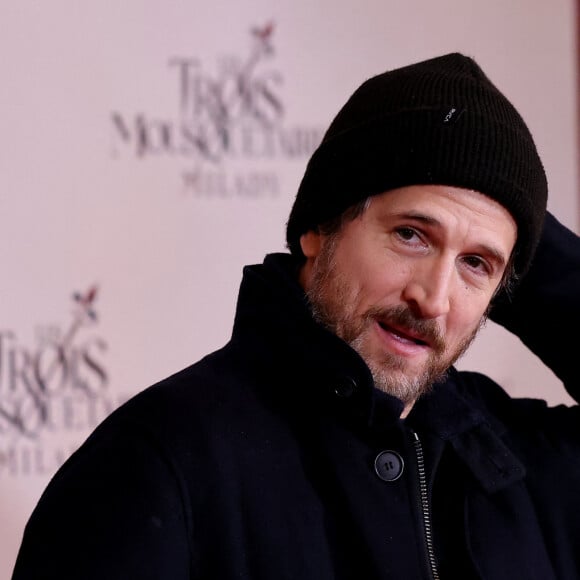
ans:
(398, 384)
(399, 378)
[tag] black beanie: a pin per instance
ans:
(440, 122)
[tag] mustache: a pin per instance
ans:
(403, 317)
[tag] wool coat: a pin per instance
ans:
(275, 458)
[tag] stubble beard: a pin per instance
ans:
(332, 301)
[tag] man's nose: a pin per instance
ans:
(428, 291)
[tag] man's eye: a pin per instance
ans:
(476, 263)
(406, 234)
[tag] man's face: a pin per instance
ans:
(407, 283)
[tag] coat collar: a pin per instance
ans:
(476, 436)
(316, 365)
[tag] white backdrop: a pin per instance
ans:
(150, 149)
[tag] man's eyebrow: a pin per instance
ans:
(485, 249)
(421, 217)
(495, 254)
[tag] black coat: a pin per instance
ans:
(265, 460)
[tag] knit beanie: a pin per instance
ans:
(440, 121)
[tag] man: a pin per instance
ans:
(332, 438)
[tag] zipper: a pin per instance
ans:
(425, 511)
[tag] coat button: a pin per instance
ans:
(389, 465)
(345, 388)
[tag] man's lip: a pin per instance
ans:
(405, 333)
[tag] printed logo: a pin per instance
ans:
(60, 385)
(234, 114)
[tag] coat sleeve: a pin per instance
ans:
(544, 311)
(114, 511)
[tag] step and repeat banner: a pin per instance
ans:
(150, 149)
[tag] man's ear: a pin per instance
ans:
(311, 242)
